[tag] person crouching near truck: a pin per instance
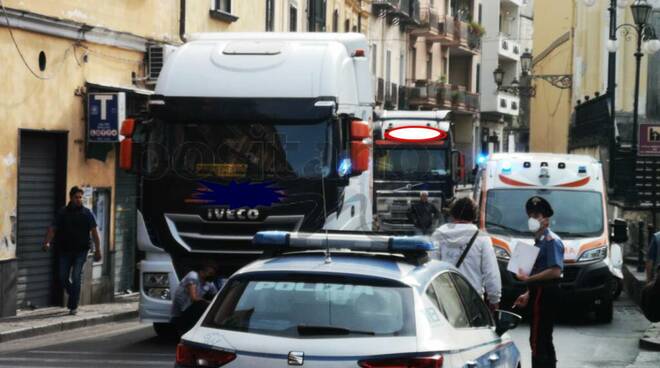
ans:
(192, 297)
(542, 283)
(423, 214)
(461, 244)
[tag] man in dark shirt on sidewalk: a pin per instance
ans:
(423, 214)
(70, 232)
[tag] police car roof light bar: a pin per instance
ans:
(359, 242)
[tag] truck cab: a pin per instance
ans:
(248, 132)
(413, 152)
(574, 186)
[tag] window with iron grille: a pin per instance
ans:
(293, 19)
(270, 15)
(222, 5)
(335, 21)
(316, 15)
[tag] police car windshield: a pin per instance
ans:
(577, 213)
(314, 306)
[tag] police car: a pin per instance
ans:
(348, 300)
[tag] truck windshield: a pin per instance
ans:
(393, 163)
(238, 151)
(314, 306)
(577, 213)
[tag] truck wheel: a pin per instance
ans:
(605, 312)
(165, 331)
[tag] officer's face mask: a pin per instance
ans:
(533, 224)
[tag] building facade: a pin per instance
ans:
(72, 66)
(502, 49)
(553, 54)
(66, 64)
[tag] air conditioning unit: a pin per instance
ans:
(156, 56)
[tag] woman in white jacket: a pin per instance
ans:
(480, 264)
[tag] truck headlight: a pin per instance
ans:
(156, 285)
(383, 206)
(593, 255)
(501, 253)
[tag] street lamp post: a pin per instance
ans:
(641, 10)
(562, 81)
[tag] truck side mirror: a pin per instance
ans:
(619, 231)
(360, 153)
(127, 151)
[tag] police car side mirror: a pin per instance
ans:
(505, 321)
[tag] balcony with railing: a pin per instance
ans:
(391, 95)
(472, 102)
(461, 33)
(423, 94)
(380, 90)
(458, 98)
(509, 49)
(428, 24)
(444, 96)
(446, 29)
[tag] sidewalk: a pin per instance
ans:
(29, 323)
(633, 283)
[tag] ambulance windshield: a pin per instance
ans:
(577, 213)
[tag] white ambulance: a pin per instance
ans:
(575, 187)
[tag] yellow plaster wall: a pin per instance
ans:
(251, 17)
(31, 103)
(155, 19)
(551, 108)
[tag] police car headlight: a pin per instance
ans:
(593, 255)
(501, 253)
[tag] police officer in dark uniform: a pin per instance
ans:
(542, 283)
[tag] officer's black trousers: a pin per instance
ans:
(543, 301)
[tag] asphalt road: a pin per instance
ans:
(580, 343)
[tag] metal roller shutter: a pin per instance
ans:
(37, 187)
(125, 231)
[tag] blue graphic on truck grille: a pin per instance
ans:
(236, 195)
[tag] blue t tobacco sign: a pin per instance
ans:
(105, 111)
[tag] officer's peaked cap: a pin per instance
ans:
(539, 205)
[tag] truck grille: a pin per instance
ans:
(198, 235)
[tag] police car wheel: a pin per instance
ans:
(165, 331)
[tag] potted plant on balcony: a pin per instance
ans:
(458, 98)
(476, 29)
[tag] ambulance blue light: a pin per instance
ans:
(481, 159)
(273, 238)
(410, 243)
(345, 167)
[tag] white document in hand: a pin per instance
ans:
(523, 258)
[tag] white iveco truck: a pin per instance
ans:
(248, 132)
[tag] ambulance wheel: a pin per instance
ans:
(165, 331)
(605, 312)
